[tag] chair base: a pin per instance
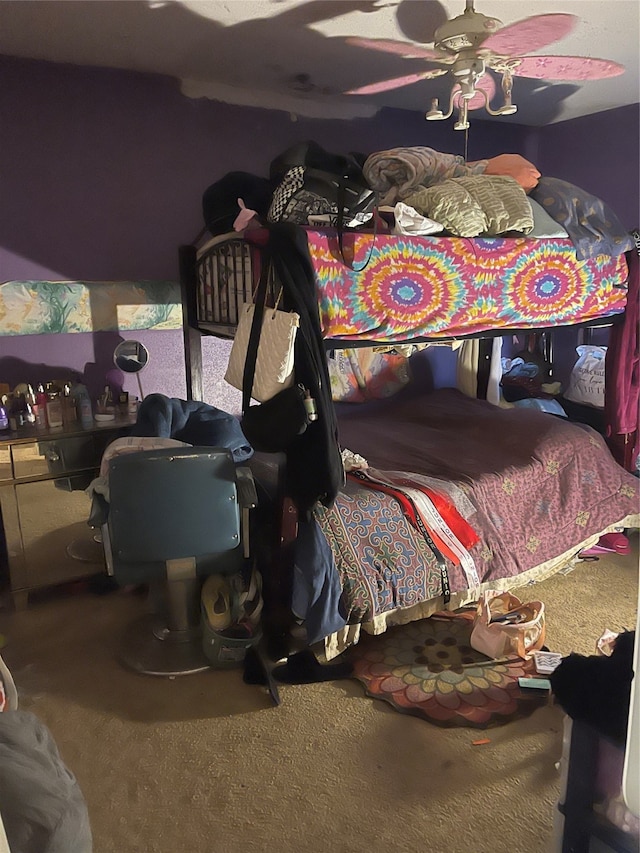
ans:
(86, 551)
(151, 649)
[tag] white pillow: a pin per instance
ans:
(543, 224)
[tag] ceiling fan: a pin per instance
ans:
(471, 43)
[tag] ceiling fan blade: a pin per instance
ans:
(396, 82)
(486, 83)
(565, 68)
(409, 51)
(530, 34)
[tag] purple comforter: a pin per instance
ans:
(540, 486)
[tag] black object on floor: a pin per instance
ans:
(102, 584)
(596, 689)
(256, 671)
(303, 668)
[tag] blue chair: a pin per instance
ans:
(176, 515)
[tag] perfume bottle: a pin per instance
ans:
(40, 408)
(54, 408)
(69, 415)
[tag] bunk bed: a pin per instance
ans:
(425, 288)
(528, 490)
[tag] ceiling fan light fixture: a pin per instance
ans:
(463, 116)
(465, 31)
(435, 113)
(469, 67)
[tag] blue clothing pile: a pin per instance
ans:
(193, 422)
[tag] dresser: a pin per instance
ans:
(44, 535)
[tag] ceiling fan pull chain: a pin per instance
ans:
(466, 145)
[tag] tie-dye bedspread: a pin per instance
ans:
(443, 287)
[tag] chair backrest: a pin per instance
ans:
(170, 504)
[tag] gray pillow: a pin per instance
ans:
(543, 224)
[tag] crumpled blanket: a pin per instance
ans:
(397, 172)
(43, 808)
(192, 422)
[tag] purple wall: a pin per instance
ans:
(103, 171)
(102, 174)
(601, 154)
(88, 358)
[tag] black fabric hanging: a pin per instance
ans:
(314, 462)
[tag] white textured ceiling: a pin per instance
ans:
(292, 54)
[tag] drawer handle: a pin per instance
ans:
(52, 456)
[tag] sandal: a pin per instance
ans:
(216, 602)
(250, 601)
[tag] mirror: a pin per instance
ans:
(130, 356)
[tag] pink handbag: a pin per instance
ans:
(505, 627)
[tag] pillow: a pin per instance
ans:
(450, 204)
(471, 206)
(366, 373)
(514, 166)
(593, 227)
(543, 224)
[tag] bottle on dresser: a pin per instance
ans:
(41, 407)
(54, 406)
(84, 412)
(69, 414)
(22, 413)
(31, 408)
(4, 417)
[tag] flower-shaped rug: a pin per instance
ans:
(429, 669)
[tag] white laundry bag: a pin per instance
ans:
(586, 384)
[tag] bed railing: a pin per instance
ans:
(224, 278)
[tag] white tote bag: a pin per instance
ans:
(274, 362)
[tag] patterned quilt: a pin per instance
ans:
(540, 487)
(442, 287)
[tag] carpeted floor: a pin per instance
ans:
(205, 764)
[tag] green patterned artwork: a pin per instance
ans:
(51, 307)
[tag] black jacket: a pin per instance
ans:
(314, 462)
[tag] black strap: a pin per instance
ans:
(254, 336)
(340, 226)
(444, 575)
